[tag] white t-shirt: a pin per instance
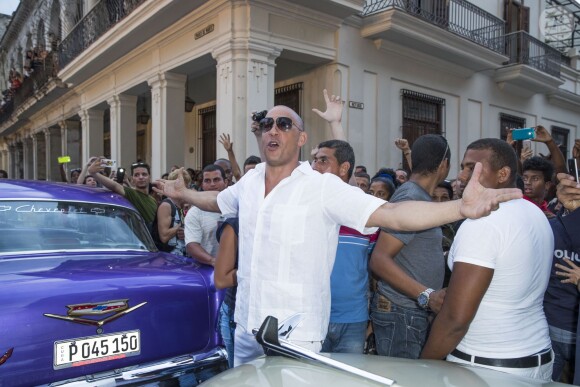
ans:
(516, 241)
(287, 244)
(200, 227)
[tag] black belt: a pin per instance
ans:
(520, 362)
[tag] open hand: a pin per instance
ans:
(570, 273)
(173, 189)
(334, 106)
(509, 138)
(478, 201)
(226, 142)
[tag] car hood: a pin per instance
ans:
(176, 313)
(282, 371)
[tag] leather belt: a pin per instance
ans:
(520, 362)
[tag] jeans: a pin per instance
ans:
(345, 337)
(564, 346)
(227, 329)
(399, 331)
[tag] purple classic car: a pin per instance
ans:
(87, 298)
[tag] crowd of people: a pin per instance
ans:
(478, 270)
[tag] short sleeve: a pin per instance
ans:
(228, 199)
(348, 205)
(477, 243)
(193, 229)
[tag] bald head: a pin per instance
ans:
(285, 111)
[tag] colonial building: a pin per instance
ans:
(159, 80)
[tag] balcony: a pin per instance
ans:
(100, 19)
(454, 31)
(533, 66)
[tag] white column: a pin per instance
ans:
(167, 122)
(34, 156)
(27, 157)
(5, 160)
(245, 83)
(52, 140)
(12, 155)
(123, 129)
(92, 133)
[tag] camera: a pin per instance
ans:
(120, 177)
(259, 116)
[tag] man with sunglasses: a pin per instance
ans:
(290, 217)
(138, 196)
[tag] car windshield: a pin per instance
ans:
(61, 225)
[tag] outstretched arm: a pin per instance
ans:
(229, 147)
(333, 115)
(95, 170)
(176, 189)
(477, 201)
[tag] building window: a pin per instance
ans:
(560, 136)
(507, 122)
(208, 135)
(290, 96)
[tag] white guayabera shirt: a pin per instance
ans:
(287, 244)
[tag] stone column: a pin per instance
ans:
(245, 83)
(5, 160)
(167, 122)
(27, 158)
(123, 129)
(34, 165)
(71, 142)
(52, 139)
(12, 157)
(92, 133)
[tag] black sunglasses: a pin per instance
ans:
(283, 123)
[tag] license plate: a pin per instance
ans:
(95, 349)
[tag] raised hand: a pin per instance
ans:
(478, 201)
(542, 134)
(226, 142)
(576, 149)
(568, 191)
(402, 144)
(95, 166)
(334, 107)
(509, 138)
(526, 154)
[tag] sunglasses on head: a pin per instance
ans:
(283, 123)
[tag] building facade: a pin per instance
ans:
(119, 77)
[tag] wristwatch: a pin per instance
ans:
(423, 298)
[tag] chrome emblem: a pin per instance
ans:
(119, 308)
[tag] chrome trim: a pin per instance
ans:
(165, 369)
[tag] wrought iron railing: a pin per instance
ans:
(457, 16)
(522, 48)
(42, 72)
(566, 60)
(100, 19)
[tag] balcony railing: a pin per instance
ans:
(457, 16)
(100, 19)
(525, 49)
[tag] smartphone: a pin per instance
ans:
(120, 177)
(527, 144)
(524, 134)
(107, 163)
(573, 168)
(64, 159)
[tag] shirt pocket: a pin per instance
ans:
(288, 224)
